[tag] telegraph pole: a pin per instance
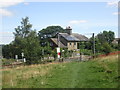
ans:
(80, 45)
(94, 44)
(58, 49)
(43, 53)
(58, 40)
(93, 49)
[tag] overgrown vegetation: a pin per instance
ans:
(97, 73)
(7, 61)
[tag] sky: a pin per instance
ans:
(83, 17)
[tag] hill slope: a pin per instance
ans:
(97, 73)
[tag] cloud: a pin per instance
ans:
(26, 3)
(7, 3)
(116, 13)
(5, 12)
(78, 21)
(112, 4)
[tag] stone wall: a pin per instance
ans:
(72, 45)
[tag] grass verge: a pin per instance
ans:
(97, 73)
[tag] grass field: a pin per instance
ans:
(97, 73)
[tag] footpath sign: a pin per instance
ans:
(16, 57)
(24, 60)
(58, 52)
(22, 54)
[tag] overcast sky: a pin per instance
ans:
(83, 17)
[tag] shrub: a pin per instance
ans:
(107, 48)
(7, 61)
(86, 52)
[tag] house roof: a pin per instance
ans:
(74, 37)
(117, 39)
(56, 42)
(80, 37)
(69, 37)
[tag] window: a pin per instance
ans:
(74, 43)
(70, 43)
(78, 45)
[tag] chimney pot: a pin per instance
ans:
(69, 30)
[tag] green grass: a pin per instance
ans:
(97, 73)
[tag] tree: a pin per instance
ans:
(32, 48)
(6, 51)
(106, 36)
(49, 32)
(103, 42)
(23, 30)
(26, 41)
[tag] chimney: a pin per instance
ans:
(68, 30)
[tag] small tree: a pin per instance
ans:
(32, 48)
(107, 48)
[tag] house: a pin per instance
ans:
(68, 40)
(115, 41)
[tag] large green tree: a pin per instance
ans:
(103, 42)
(49, 32)
(26, 41)
(106, 36)
(21, 32)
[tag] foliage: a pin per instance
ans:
(7, 61)
(54, 53)
(86, 51)
(106, 36)
(26, 41)
(107, 48)
(23, 30)
(47, 49)
(103, 43)
(49, 32)
(6, 51)
(82, 45)
(32, 49)
(65, 53)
